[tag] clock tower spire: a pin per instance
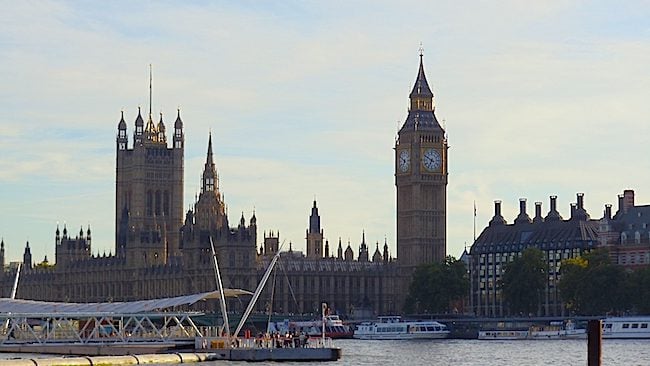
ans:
(421, 180)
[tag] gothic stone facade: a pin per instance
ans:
(160, 253)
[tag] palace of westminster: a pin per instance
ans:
(161, 251)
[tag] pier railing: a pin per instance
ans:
(266, 341)
(97, 328)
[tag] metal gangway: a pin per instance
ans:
(90, 328)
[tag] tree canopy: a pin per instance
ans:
(592, 285)
(523, 281)
(435, 286)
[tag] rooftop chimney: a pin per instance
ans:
(579, 213)
(523, 216)
(498, 218)
(608, 211)
(573, 210)
(628, 199)
(620, 204)
(581, 200)
(553, 215)
(538, 212)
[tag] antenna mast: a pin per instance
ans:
(150, 78)
(474, 221)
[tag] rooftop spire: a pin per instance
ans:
(209, 160)
(150, 88)
(421, 87)
(210, 178)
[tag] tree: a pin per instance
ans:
(592, 285)
(435, 286)
(573, 272)
(523, 281)
(640, 287)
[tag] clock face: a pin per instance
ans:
(431, 160)
(404, 160)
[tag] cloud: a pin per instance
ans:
(303, 99)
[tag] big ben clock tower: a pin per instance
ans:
(421, 181)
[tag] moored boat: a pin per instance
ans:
(502, 335)
(555, 330)
(334, 327)
(392, 327)
(626, 327)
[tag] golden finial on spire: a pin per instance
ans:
(421, 50)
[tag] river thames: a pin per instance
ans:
(475, 352)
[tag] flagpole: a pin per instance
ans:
(474, 221)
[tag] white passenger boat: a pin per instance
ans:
(392, 327)
(626, 327)
(555, 330)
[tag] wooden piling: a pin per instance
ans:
(594, 343)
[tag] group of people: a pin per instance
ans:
(288, 340)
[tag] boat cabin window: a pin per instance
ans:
(644, 325)
(635, 326)
(608, 326)
(626, 325)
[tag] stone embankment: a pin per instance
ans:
(165, 358)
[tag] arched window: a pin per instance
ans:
(149, 203)
(166, 204)
(158, 203)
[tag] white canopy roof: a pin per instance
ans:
(131, 307)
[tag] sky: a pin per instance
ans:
(304, 99)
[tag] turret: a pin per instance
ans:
(162, 138)
(2, 255)
(385, 251)
(242, 221)
(27, 256)
(377, 256)
(57, 235)
(349, 254)
(150, 130)
(363, 248)
(210, 180)
(314, 234)
(314, 220)
(253, 220)
(122, 139)
(139, 129)
(339, 253)
(179, 138)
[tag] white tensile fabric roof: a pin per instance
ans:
(131, 307)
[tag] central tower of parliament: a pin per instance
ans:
(161, 251)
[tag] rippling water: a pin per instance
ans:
(475, 352)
